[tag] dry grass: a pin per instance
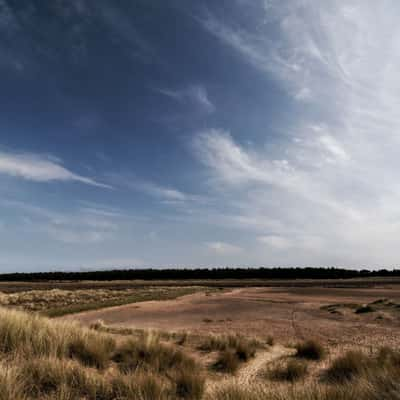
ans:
(364, 309)
(151, 355)
(58, 302)
(227, 361)
(310, 350)
(346, 367)
(52, 360)
(232, 350)
(225, 342)
(33, 335)
(289, 371)
(353, 376)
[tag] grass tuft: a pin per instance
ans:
(189, 384)
(151, 355)
(364, 309)
(227, 361)
(347, 367)
(310, 350)
(291, 371)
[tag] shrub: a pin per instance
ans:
(364, 309)
(189, 384)
(270, 340)
(150, 355)
(44, 376)
(292, 371)
(181, 338)
(311, 350)
(346, 367)
(138, 386)
(224, 342)
(388, 357)
(227, 361)
(86, 350)
(234, 392)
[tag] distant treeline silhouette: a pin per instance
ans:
(213, 273)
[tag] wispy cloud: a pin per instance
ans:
(39, 168)
(161, 192)
(196, 94)
(333, 185)
(79, 226)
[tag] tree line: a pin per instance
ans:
(201, 273)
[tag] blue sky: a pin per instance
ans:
(199, 133)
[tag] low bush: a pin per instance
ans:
(347, 367)
(89, 353)
(388, 357)
(151, 355)
(227, 361)
(310, 350)
(364, 309)
(233, 349)
(181, 338)
(189, 384)
(270, 340)
(224, 342)
(290, 371)
(138, 386)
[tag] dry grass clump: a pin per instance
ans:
(346, 367)
(189, 384)
(100, 326)
(10, 384)
(31, 334)
(291, 371)
(388, 357)
(149, 354)
(138, 386)
(364, 309)
(310, 350)
(356, 377)
(292, 392)
(181, 338)
(50, 360)
(57, 302)
(234, 392)
(233, 349)
(270, 340)
(225, 342)
(227, 361)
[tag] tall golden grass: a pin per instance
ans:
(352, 376)
(47, 359)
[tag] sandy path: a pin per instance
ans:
(248, 374)
(250, 371)
(287, 314)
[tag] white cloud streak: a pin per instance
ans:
(334, 187)
(196, 94)
(37, 168)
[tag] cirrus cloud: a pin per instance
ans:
(38, 168)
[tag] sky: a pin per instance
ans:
(183, 133)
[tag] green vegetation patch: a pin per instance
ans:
(57, 302)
